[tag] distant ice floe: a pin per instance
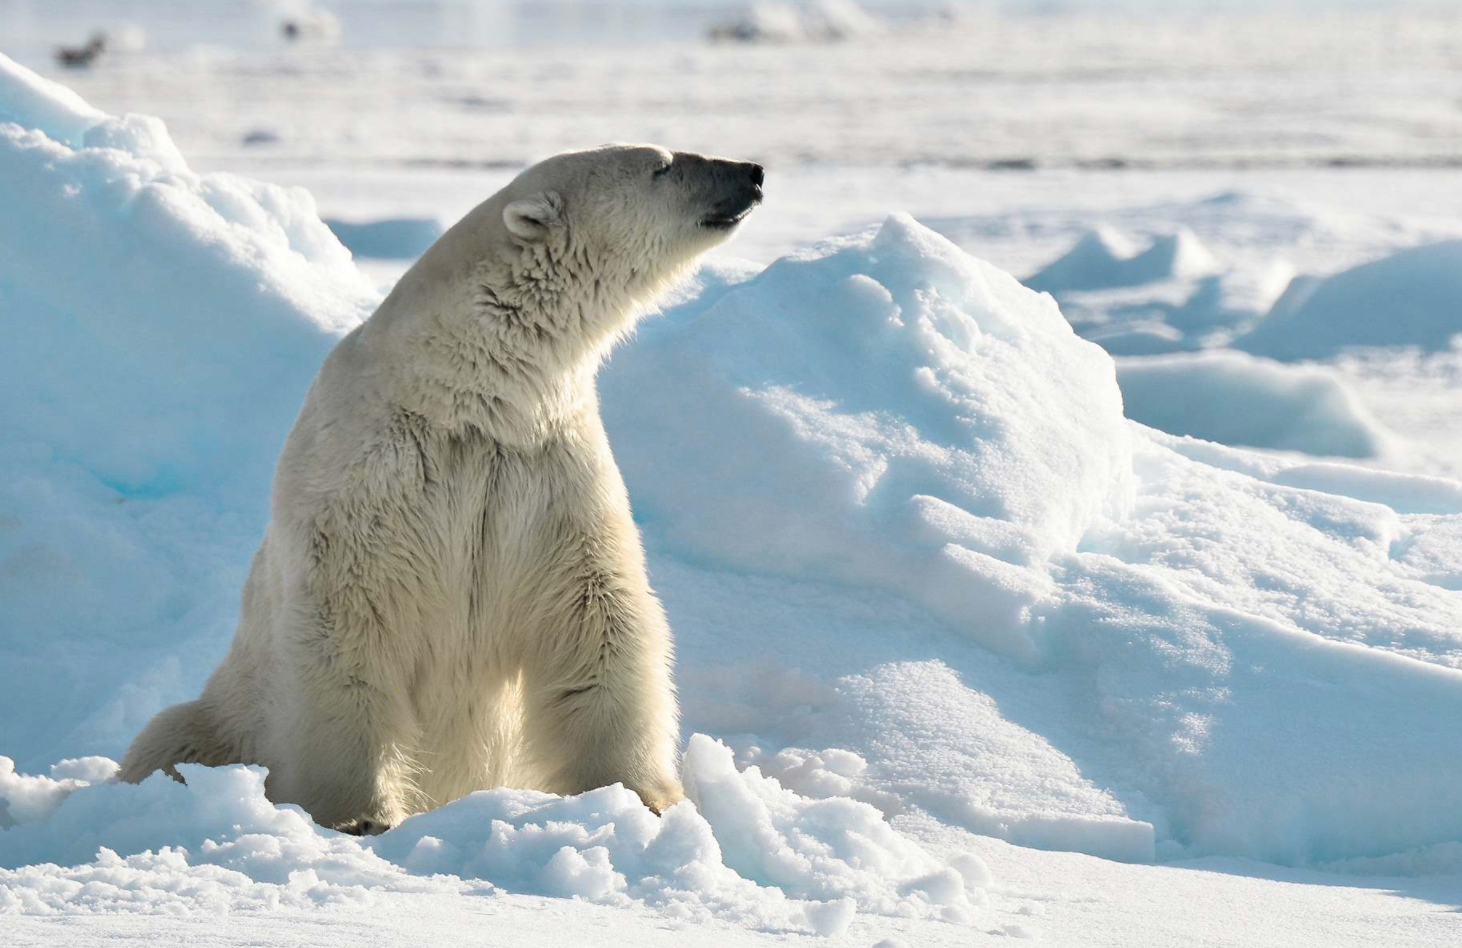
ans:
(1175, 295)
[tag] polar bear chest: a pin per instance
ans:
(446, 542)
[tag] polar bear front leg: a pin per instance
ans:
(600, 703)
(343, 748)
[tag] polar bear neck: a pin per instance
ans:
(511, 351)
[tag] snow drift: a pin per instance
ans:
(161, 329)
(219, 845)
(925, 579)
(1233, 398)
(1412, 298)
(1103, 259)
(888, 410)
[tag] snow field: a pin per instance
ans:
(927, 581)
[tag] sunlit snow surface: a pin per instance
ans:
(932, 594)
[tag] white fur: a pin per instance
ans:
(451, 593)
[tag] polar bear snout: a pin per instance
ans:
(738, 191)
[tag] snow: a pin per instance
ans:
(1407, 299)
(905, 416)
(401, 238)
(1232, 398)
(963, 653)
(217, 845)
(1103, 259)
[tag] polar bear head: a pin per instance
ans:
(640, 208)
(577, 243)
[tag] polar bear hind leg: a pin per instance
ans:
(183, 734)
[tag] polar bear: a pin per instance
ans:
(451, 593)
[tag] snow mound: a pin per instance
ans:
(161, 330)
(214, 846)
(827, 849)
(1412, 298)
(1104, 259)
(1234, 398)
(974, 768)
(886, 410)
(103, 211)
(397, 238)
(25, 798)
(217, 844)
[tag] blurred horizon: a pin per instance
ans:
(31, 29)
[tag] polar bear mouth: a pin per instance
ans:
(745, 194)
(726, 222)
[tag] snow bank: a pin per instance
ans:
(99, 220)
(828, 849)
(25, 798)
(216, 844)
(1412, 298)
(885, 410)
(1234, 398)
(974, 767)
(212, 847)
(161, 329)
(1157, 651)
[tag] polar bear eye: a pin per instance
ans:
(660, 171)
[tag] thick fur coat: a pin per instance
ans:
(451, 593)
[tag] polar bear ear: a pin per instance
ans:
(531, 218)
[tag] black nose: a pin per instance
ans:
(758, 175)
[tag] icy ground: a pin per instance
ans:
(983, 659)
